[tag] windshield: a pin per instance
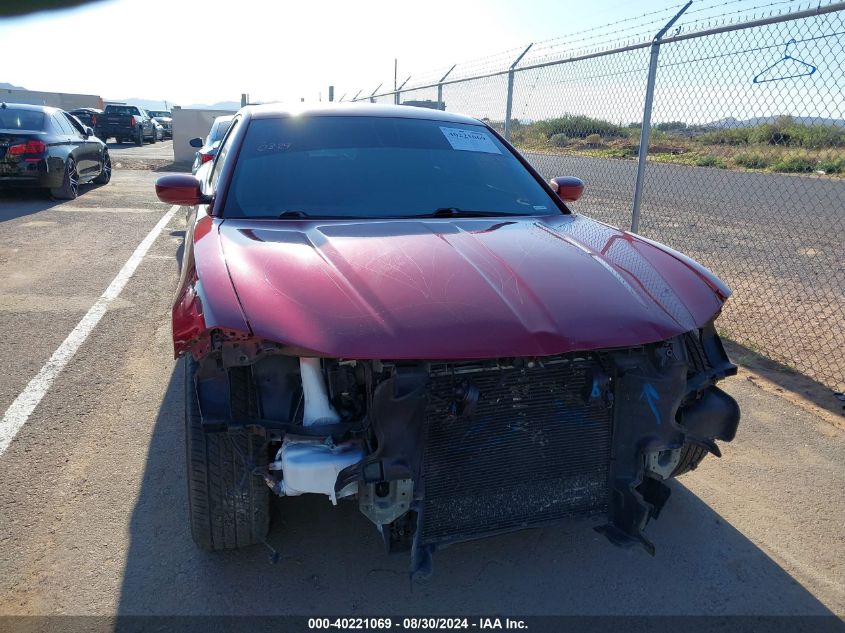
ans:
(14, 119)
(159, 113)
(218, 131)
(121, 110)
(373, 167)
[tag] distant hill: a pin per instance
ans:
(732, 122)
(6, 86)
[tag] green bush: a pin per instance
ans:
(814, 136)
(782, 132)
(836, 166)
(794, 164)
(593, 139)
(671, 126)
(559, 140)
(752, 160)
(577, 126)
(710, 161)
(768, 134)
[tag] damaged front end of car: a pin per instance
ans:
(438, 452)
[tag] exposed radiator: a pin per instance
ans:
(535, 449)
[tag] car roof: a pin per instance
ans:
(29, 106)
(277, 110)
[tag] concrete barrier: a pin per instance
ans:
(188, 124)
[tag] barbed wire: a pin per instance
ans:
(605, 37)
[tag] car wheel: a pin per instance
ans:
(105, 171)
(691, 456)
(140, 140)
(229, 505)
(70, 182)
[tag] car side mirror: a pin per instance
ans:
(196, 142)
(567, 188)
(89, 132)
(181, 189)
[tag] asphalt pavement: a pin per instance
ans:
(93, 514)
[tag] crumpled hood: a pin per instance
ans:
(460, 288)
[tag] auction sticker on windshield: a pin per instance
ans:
(469, 141)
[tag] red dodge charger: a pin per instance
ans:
(388, 306)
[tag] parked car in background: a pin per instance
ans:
(388, 305)
(48, 148)
(165, 118)
(126, 123)
(159, 128)
(207, 149)
(89, 117)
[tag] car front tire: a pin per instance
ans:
(229, 505)
(691, 456)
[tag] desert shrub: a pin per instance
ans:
(794, 164)
(559, 140)
(671, 126)
(768, 134)
(593, 139)
(710, 161)
(814, 136)
(578, 126)
(752, 160)
(727, 136)
(833, 166)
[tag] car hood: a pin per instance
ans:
(461, 288)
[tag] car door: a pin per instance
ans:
(64, 144)
(88, 149)
(149, 129)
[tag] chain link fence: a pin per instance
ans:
(745, 160)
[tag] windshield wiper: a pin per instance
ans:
(456, 212)
(293, 213)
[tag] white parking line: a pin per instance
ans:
(19, 411)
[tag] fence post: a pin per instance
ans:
(398, 91)
(440, 104)
(509, 105)
(373, 96)
(645, 130)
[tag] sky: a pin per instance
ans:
(189, 52)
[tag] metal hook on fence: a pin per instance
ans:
(786, 57)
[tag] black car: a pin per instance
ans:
(88, 117)
(48, 148)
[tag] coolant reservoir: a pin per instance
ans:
(312, 465)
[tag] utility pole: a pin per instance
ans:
(395, 72)
(331, 93)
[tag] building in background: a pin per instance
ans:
(63, 100)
